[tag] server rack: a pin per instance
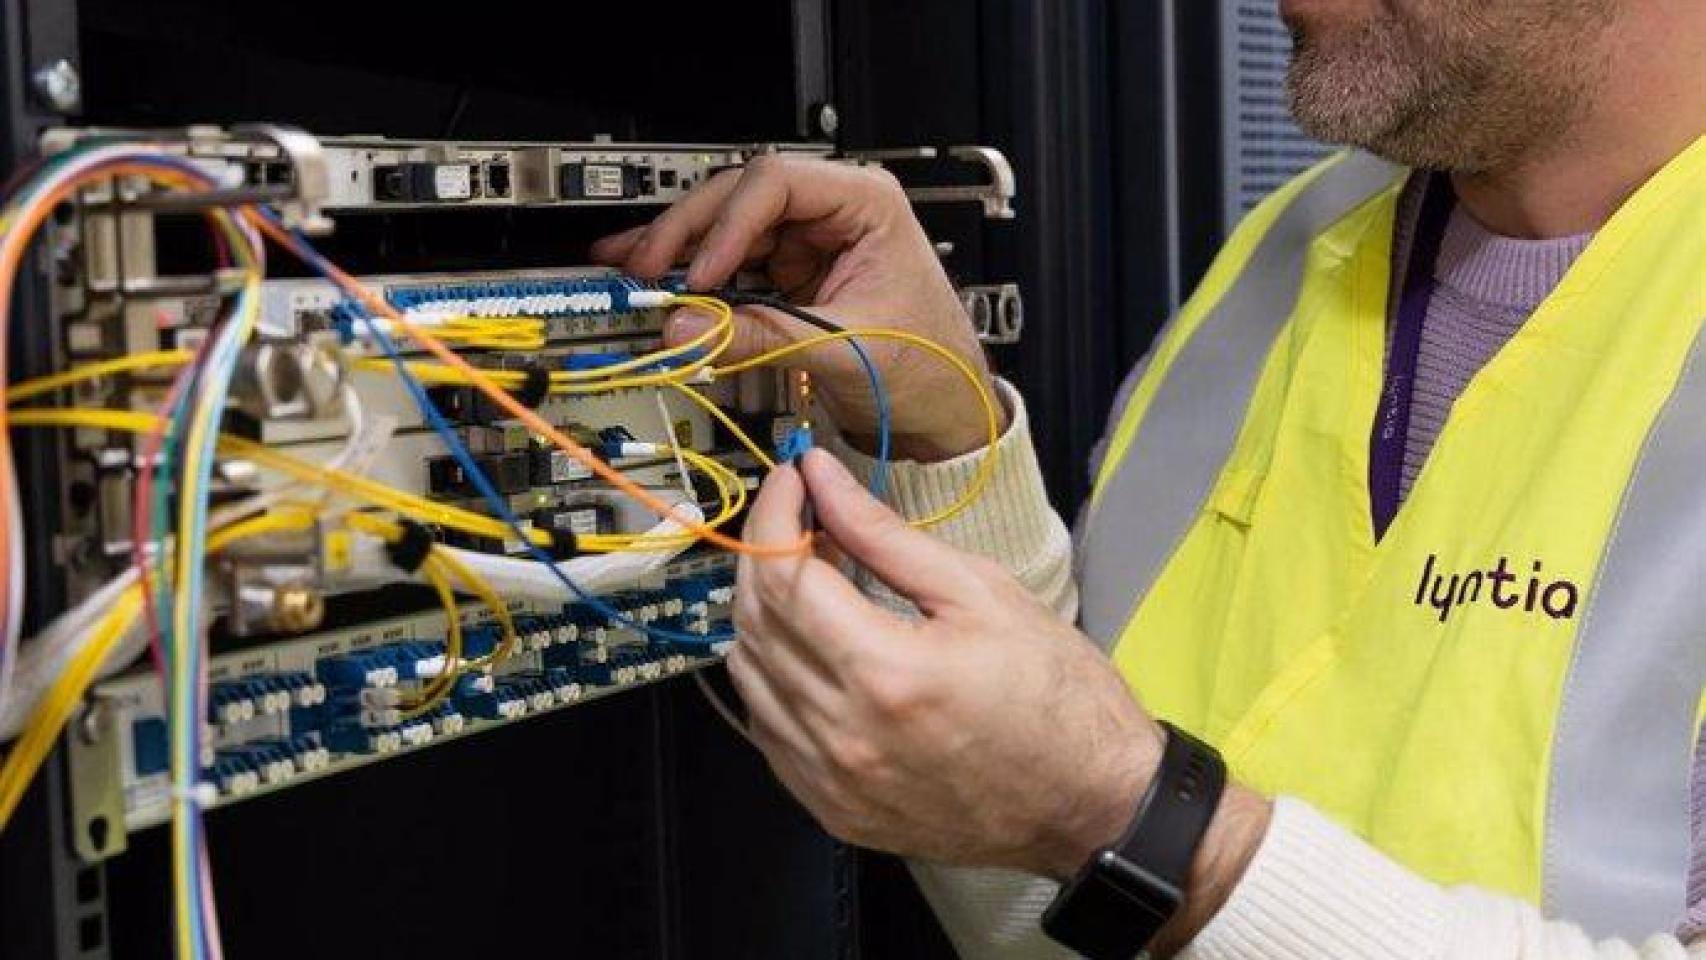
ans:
(1076, 92)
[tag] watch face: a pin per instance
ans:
(1113, 910)
(1138, 885)
(1140, 888)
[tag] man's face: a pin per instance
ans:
(1446, 84)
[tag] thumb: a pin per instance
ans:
(918, 566)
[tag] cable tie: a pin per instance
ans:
(200, 794)
(565, 545)
(410, 550)
(535, 386)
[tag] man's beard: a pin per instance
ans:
(1463, 99)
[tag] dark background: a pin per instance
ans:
(639, 826)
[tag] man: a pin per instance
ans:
(1402, 514)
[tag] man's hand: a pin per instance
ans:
(985, 732)
(842, 240)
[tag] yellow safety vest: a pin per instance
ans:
(1505, 689)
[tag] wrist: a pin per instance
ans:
(1234, 833)
(1102, 813)
(1233, 836)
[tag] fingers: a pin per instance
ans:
(801, 599)
(767, 714)
(663, 243)
(923, 569)
(773, 190)
(775, 515)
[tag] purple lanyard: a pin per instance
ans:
(1392, 424)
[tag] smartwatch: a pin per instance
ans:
(1128, 891)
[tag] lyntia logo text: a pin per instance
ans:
(1504, 589)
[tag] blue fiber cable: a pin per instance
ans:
(879, 395)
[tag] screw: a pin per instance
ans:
(827, 118)
(59, 86)
(297, 607)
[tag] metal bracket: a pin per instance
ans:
(308, 163)
(97, 790)
(997, 311)
(996, 193)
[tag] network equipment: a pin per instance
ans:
(307, 524)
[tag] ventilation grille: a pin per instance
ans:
(1262, 147)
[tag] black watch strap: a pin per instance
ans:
(1128, 891)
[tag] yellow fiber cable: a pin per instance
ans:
(992, 420)
(480, 587)
(728, 423)
(407, 504)
(100, 368)
(277, 520)
(600, 380)
(351, 484)
(439, 687)
(495, 333)
(60, 701)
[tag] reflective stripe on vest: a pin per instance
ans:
(1533, 738)
(1618, 821)
(1200, 396)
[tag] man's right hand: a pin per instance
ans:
(842, 241)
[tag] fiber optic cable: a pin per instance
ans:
(501, 507)
(346, 483)
(508, 403)
(879, 394)
(185, 718)
(992, 421)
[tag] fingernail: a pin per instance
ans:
(685, 325)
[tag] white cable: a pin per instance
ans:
(44, 658)
(674, 443)
(356, 418)
(723, 709)
(528, 579)
(10, 647)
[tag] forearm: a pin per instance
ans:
(1313, 890)
(1012, 523)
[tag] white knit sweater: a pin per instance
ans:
(1312, 891)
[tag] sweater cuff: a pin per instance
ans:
(1313, 890)
(1012, 518)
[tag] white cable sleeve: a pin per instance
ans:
(44, 658)
(525, 579)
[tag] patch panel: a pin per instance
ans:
(545, 297)
(575, 301)
(347, 689)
